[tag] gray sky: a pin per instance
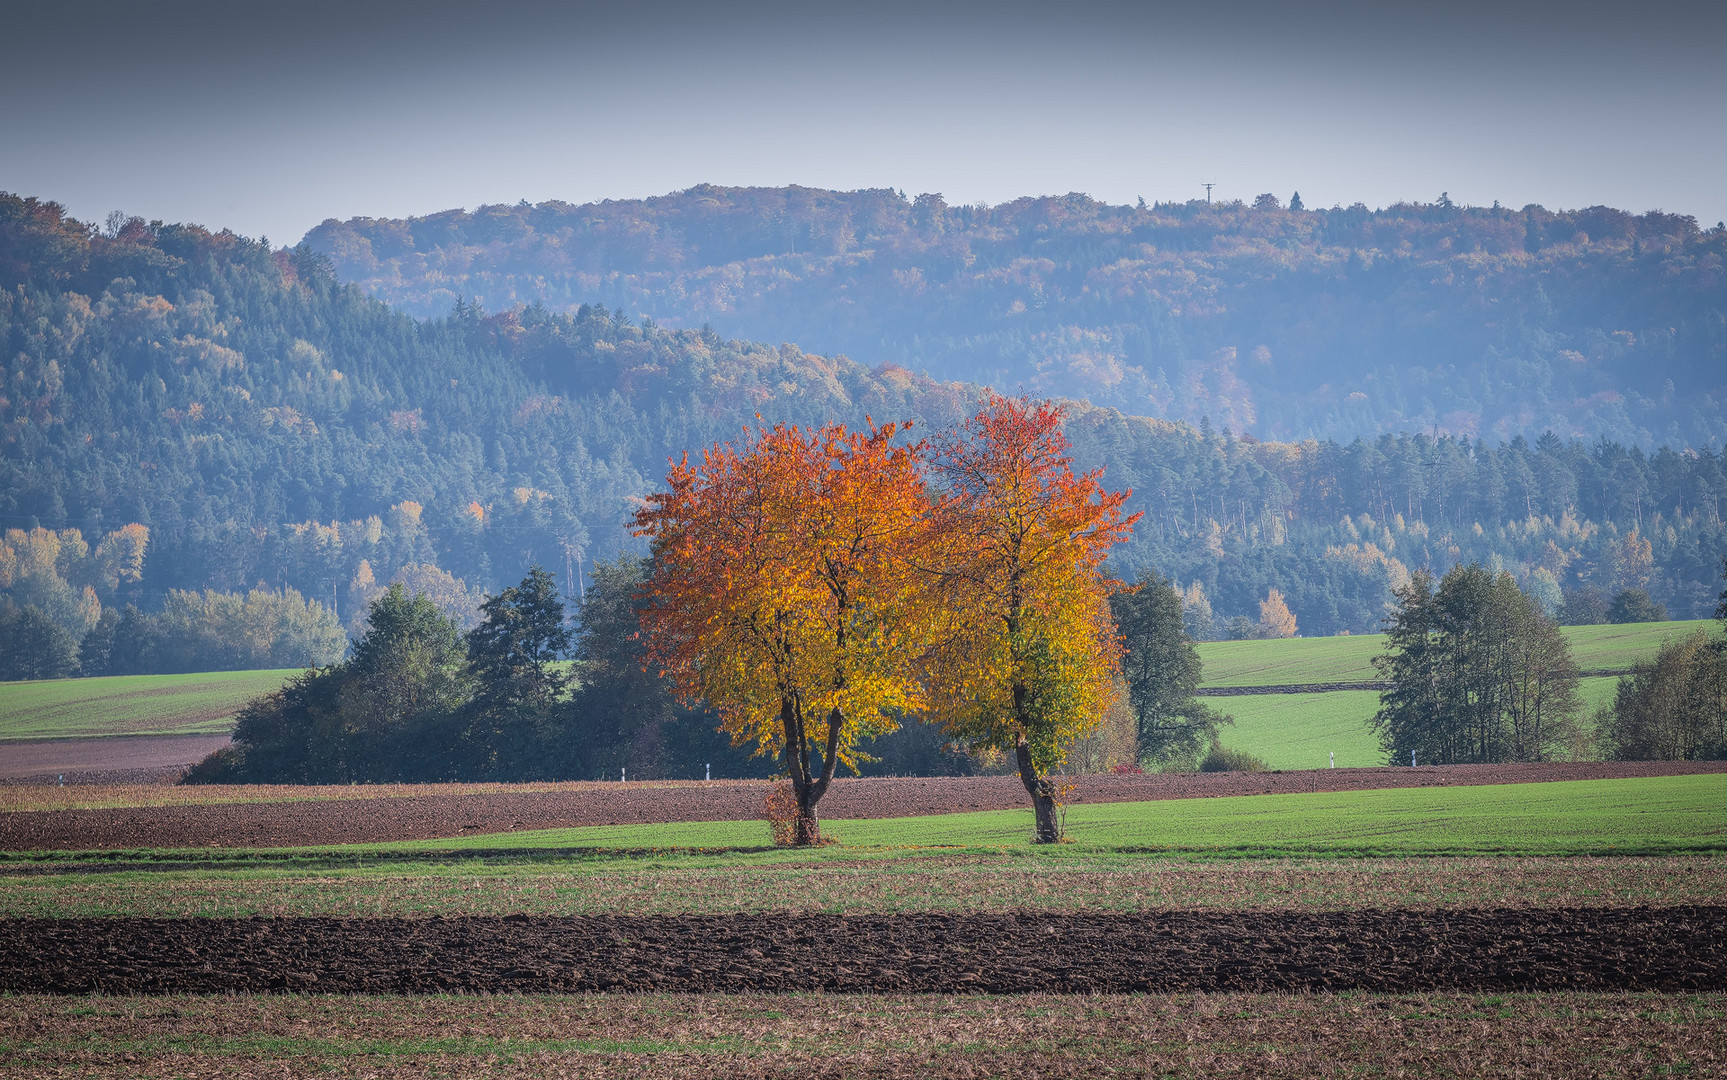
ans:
(269, 118)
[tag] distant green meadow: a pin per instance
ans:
(1289, 661)
(1288, 731)
(1301, 731)
(196, 704)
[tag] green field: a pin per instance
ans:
(1440, 846)
(197, 704)
(1654, 816)
(1350, 659)
(1299, 731)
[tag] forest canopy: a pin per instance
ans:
(270, 427)
(1275, 320)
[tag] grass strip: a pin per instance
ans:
(1668, 815)
(696, 885)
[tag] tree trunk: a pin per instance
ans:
(1042, 793)
(807, 786)
(809, 830)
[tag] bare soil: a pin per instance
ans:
(1665, 949)
(929, 1037)
(120, 759)
(333, 819)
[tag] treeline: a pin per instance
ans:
(1268, 317)
(419, 699)
(271, 427)
(1480, 673)
(64, 611)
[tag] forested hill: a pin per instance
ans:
(1269, 319)
(266, 423)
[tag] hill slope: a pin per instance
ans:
(1276, 321)
(267, 423)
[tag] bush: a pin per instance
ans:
(1219, 759)
(1584, 606)
(780, 809)
(1635, 606)
(1671, 708)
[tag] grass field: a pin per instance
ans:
(1299, 731)
(1646, 816)
(196, 704)
(1350, 659)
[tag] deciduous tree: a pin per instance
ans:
(1028, 648)
(1478, 673)
(784, 592)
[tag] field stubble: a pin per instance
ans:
(931, 883)
(675, 1035)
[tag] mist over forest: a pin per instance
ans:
(190, 419)
(1268, 317)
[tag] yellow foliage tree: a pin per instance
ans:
(1275, 618)
(783, 593)
(1027, 655)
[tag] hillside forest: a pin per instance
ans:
(1271, 318)
(245, 429)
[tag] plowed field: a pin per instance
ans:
(318, 816)
(1669, 949)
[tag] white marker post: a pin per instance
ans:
(620, 776)
(1412, 759)
(710, 771)
(1334, 759)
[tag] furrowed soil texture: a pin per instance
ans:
(140, 759)
(659, 1036)
(319, 816)
(1662, 949)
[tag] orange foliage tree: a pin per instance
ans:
(782, 592)
(1028, 649)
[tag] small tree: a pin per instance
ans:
(1671, 708)
(1028, 652)
(1275, 618)
(1635, 606)
(1162, 669)
(1478, 673)
(387, 713)
(518, 686)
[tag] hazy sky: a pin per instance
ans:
(269, 118)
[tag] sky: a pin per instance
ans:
(269, 118)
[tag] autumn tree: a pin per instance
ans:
(783, 594)
(1027, 649)
(1275, 618)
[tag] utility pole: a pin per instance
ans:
(1208, 188)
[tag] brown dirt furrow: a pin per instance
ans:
(361, 819)
(114, 759)
(1665, 949)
